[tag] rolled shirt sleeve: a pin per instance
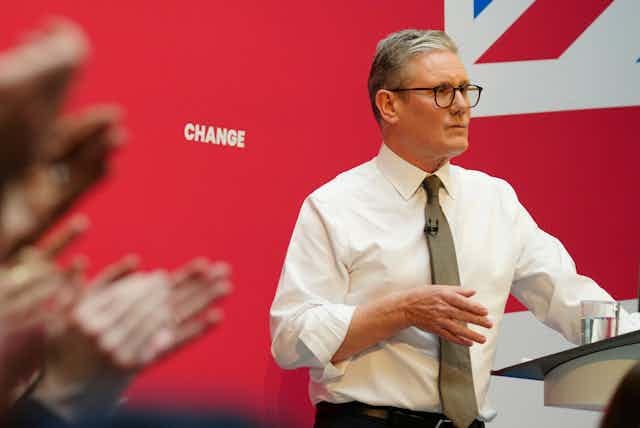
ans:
(309, 319)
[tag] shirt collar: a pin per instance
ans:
(407, 178)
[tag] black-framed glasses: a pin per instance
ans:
(445, 94)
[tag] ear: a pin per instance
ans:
(387, 104)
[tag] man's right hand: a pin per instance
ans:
(445, 310)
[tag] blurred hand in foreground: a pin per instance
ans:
(123, 322)
(34, 295)
(34, 77)
(72, 164)
(46, 163)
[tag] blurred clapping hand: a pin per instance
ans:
(35, 294)
(123, 321)
(35, 146)
(85, 339)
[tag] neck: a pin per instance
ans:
(426, 163)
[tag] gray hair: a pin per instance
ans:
(393, 52)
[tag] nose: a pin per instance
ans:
(460, 104)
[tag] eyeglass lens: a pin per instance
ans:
(446, 94)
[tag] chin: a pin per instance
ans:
(458, 147)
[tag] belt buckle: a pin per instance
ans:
(376, 413)
(442, 421)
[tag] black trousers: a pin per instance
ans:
(350, 415)
(349, 421)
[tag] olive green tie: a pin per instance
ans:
(457, 394)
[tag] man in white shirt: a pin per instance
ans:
(357, 303)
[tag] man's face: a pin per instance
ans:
(427, 131)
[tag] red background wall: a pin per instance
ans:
(293, 75)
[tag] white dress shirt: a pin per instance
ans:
(360, 237)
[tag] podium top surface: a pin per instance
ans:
(537, 369)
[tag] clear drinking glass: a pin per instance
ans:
(599, 320)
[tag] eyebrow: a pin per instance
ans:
(464, 82)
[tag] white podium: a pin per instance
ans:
(584, 377)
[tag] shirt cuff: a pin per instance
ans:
(325, 328)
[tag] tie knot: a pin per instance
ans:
(432, 185)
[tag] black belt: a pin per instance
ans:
(394, 416)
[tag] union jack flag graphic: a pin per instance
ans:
(549, 55)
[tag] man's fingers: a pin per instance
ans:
(462, 302)
(70, 231)
(450, 337)
(462, 332)
(466, 292)
(468, 317)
